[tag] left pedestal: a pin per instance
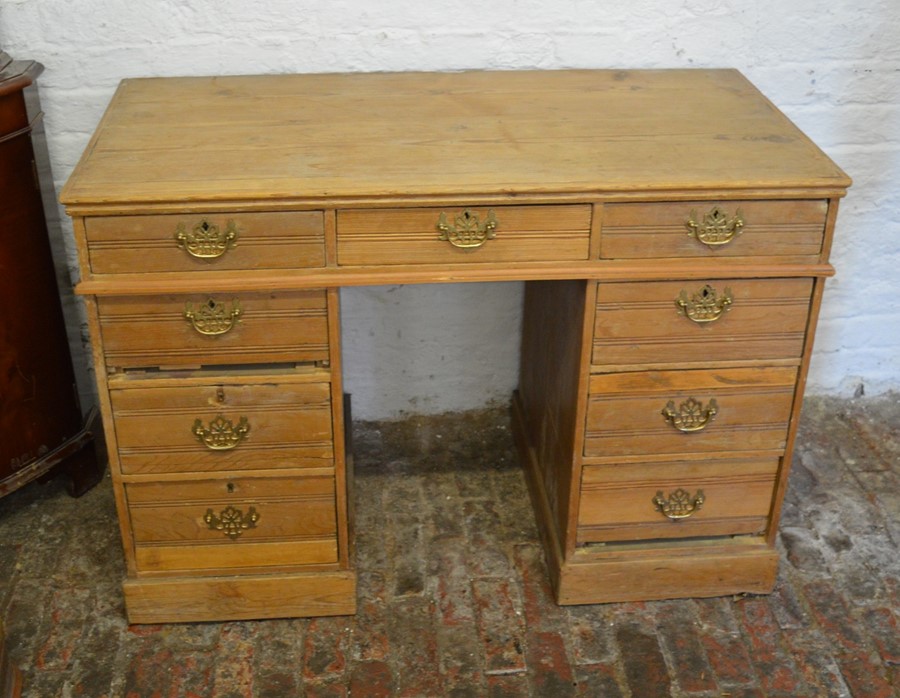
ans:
(223, 413)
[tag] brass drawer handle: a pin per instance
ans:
(206, 240)
(213, 318)
(679, 505)
(467, 231)
(221, 434)
(232, 522)
(716, 228)
(706, 305)
(690, 415)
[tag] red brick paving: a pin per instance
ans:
(454, 598)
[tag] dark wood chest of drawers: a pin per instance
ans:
(41, 426)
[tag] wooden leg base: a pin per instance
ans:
(87, 467)
(693, 573)
(194, 599)
(77, 457)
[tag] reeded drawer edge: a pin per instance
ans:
(774, 229)
(463, 235)
(204, 242)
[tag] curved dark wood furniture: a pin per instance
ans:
(41, 425)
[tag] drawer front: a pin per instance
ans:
(197, 330)
(700, 321)
(223, 426)
(763, 229)
(675, 500)
(235, 523)
(688, 412)
(414, 235)
(205, 242)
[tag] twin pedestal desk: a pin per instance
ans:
(673, 230)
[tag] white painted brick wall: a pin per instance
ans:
(833, 67)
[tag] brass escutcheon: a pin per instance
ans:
(232, 522)
(706, 305)
(679, 505)
(467, 231)
(221, 434)
(205, 240)
(690, 415)
(213, 318)
(716, 228)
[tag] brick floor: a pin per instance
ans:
(454, 598)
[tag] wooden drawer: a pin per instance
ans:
(626, 411)
(235, 523)
(205, 242)
(619, 502)
(700, 321)
(411, 235)
(141, 331)
(274, 425)
(790, 230)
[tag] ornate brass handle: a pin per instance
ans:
(221, 434)
(690, 415)
(467, 231)
(716, 228)
(679, 505)
(212, 318)
(232, 522)
(706, 305)
(206, 240)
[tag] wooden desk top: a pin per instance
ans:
(365, 137)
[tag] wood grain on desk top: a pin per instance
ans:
(377, 135)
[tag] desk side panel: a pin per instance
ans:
(552, 331)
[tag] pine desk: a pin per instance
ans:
(673, 228)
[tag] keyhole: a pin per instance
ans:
(220, 394)
(230, 487)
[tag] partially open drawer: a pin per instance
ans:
(192, 330)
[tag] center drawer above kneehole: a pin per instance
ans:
(459, 235)
(786, 231)
(205, 242)
(192, 330)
